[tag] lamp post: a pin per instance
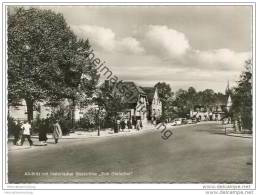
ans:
(98, 109)
(98, 119)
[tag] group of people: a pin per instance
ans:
(122, 124)
(26, 130)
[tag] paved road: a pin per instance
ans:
(199, 153)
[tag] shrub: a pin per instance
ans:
(85, 123)
(39, 125)
(66, 125)
(14, 127)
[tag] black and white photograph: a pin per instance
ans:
(129, 94)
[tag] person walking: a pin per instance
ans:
(57, 132)
(134, 122)
(123, 125)
(118, 125)
(26, 127)
(17, 133)
(43, 136)
(129, 124)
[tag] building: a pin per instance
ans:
(139, 102)
(134, 98)
(215, 111)
(43, 109)
(154, 105)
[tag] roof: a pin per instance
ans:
(126, 89)
(131, 91)
(150, 92)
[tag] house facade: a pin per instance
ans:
(215, 111)
(154, 105)
(43, 110)
(135, 101)
(139, 103)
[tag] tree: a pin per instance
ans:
(242, 97)
(45, 59)
(181, 102)
(165, 94)
(191, 97)
(206, 97)
(112, 102)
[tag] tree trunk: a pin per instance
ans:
(29, 104)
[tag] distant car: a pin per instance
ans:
(177, 121)
(173, 123)
(184, 121)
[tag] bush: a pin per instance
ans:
(85, 123)
(66, 125)
(14, 127)
(39, 125)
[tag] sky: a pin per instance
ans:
(199, 46)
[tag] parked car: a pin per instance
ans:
(176, 121)
(183, 120)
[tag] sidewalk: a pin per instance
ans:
(78, 135)
(240, 135)
(230, 131)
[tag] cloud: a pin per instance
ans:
(131, 44)
(166, 41)
(166, 55)
(222, 59)
(174, 48)
(106, 40)
(101, 37)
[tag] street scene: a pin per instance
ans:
(205, 155)
(96, 98)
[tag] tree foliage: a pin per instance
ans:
(242, 97)
(45, 59)
(112, 102)
(166, 96)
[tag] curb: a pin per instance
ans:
(239, 135)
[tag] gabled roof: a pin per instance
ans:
(131, 91)
(128, 90)
(133, 87)
(150, 91)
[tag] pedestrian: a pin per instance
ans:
(26, 127)
(123, 125)
(115, 127)
(126, 122)
(57, 132)
(129, 124)
(134, 122)
(118, 122)
(43, 136)
(17, 133)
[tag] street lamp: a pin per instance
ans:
(98, 109)
(98, 116)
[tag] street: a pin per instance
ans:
(198, 153)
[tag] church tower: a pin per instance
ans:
(229, 100)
